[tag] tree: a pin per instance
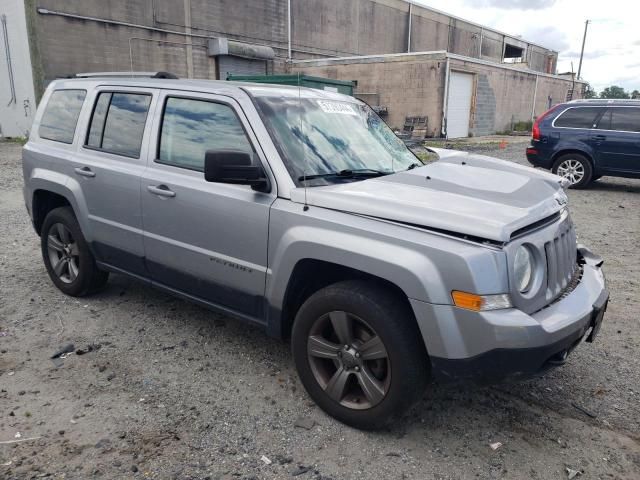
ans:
(614, 92)
(635, 95)
(589, 92)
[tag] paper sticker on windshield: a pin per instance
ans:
(337, 107)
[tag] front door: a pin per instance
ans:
(205, 240)
(618, 139)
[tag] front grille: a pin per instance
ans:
(561, 254)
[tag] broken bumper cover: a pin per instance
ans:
(488, 347)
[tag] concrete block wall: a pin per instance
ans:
(413, 85)
(320, 28)
(408, 86)
(484, 117)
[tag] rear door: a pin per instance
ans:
(618, 135)
(109, 166)
(206, 240)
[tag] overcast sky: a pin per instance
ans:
(612, 51)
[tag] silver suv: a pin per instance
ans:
(300, 211)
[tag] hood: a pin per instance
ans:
(462, 193)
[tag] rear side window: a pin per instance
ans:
(625, 119)
(191, 127)
(578, 117)
(117, 123)
(61, 115)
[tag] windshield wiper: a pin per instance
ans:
(415, 165)
(360, 172)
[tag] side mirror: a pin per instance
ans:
(233, 166)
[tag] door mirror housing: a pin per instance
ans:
(236, 167)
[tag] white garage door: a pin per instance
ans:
(459, 104)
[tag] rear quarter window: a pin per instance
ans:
(578, 117)
(61, 114)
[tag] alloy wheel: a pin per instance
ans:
(349, 360)
(572, 170)
(63, 253)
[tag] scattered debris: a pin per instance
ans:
(571, 473)
(6, 464)
(392, 454)
(265, 460)
(283, 460)
(20, 440)
(57, 362)
(495, 446)
(11, 374)
(89, 348)
(66, 349)
(4, 334)
(305, 422)
(17, 435)
(584, 410)
(300, 470)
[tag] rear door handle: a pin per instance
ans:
(85, 172)
(161, 190)
(598, 138)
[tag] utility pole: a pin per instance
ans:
(584, 38)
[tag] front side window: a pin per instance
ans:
(579, 117)
(117, 124)
(191, 127)
(624, 119)
(61, 115)
(327, 141)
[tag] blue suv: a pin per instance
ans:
(583, 140)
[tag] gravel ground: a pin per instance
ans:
(176, 391)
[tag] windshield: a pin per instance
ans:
(329, 141)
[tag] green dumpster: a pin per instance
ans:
(321, 83)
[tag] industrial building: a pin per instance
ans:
(450, 76)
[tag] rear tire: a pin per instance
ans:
(574, 167)
(67, 258)
(385, 368)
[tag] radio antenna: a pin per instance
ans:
(304, 156)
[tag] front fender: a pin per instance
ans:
(425, 266)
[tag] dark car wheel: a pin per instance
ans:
(575, 168)
(359, 353)
(66, 255)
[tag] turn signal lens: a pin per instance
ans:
(478, 303)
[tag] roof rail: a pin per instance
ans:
(125, 75)
(605, 100)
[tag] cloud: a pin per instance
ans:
(587, 54)
(548, 36)
(512, 4)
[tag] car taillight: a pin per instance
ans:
(535, 131)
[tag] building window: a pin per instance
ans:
(191, 127)
(61, 115)
(117, 123)
(513, 54)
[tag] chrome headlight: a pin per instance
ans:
(523, 268)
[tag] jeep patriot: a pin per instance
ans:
(300, 211)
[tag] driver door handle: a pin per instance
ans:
(161, 191)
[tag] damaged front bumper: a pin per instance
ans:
(492, 346)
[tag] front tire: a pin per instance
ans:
(67, 258)
(574, 167)
(359, 353)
